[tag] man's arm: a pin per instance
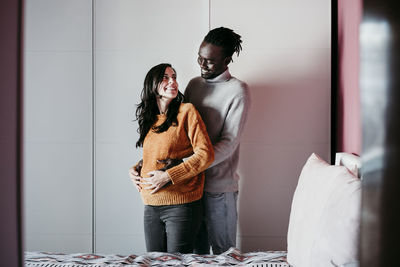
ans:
(233, 128)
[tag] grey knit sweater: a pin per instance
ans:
(223, 103)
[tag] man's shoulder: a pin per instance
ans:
(195, 81)
(238, 88)
(239, 83)
(192, 85)
(197, 78)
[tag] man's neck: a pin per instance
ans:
(223, 77)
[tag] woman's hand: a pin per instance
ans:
(134, 175)
(156, 180)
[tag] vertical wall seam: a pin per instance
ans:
(209, 15)
(334, 80)
(93, 132)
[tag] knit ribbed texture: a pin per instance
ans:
(189, 139)
(223, 103)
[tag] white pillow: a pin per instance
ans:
(324, 220)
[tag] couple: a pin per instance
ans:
(187, 206)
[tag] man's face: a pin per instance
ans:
(212, 60)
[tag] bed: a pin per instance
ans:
(232, 257)
(323, 228)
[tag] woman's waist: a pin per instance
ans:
(186, 185)
(168, 197)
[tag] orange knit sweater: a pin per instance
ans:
(189, 139)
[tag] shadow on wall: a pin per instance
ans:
(288, 120)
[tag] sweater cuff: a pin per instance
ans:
(177, 173)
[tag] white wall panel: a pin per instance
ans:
(57, 197)
(58, 25)
(58, 96)
(286, 62)
(58, 126)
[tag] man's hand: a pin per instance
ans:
(134, 174)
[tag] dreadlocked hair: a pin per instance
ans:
(226, 38)
(147, 110)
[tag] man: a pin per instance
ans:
(223, 102)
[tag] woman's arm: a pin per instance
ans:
(203, 152)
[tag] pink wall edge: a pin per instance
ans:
(349, 118)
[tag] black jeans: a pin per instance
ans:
(172, 228)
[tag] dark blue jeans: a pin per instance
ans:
(218, 227)
(172, 228)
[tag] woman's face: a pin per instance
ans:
(168, 88)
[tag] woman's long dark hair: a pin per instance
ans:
(147, 110)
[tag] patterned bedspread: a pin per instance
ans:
(232, 257)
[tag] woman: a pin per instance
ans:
(170, 129)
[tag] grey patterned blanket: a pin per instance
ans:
(232, 257)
